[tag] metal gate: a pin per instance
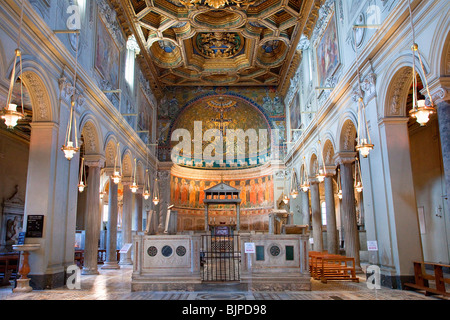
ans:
(220, 258)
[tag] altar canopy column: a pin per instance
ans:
(111, 233)
(93, 214)
(206, 218)
(125, 258)
(305, 207)
(238, 217)
(332, 235)
(316, 216)
(348, 210)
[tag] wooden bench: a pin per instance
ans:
(324, 267)
(101, 257)
(422, 278)
(9, 266)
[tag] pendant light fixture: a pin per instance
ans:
(156, 193)
(70, 146)
(294, 185)
(146, 192)
(321, 172)
(304, 182)
(358, 182)
(420, 111)
(339, 193)
(10, 113)
(117, 175)
(285, 196)
(81, 184)
(364, 142)
(134, 186)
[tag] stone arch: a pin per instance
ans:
(347, 136)
(127, 163)
(42, 92)
(110, 150)
(328, 152)
(91, 134)
(313, 165)
(440, 48)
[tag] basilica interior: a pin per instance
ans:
(286, 146)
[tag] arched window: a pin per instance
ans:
(132, 51)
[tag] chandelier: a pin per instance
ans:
(70, 146)
(294, 185)
(364, 144)
(304, 183)
(10, 113)
(117, 174)
(358, 182)
(339, 193)
(321, 173)
(156, 193)
(216, 4)
(134, 186)
(146, 192)
(420, 111)
(82, 185)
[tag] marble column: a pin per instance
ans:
(305, 207)
(238, 216)
(125, 258)
(348, 210)
(111, 233)
(443, 111)
(137, 216)
(206, 218)
(316, 216)
(93, 221)
(332, 235)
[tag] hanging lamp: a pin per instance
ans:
(321, 172)
(146, 192)
(339, 193)
(81, 184)
(156, 193)
(10, 113)
(134, 187)
(294, 185)
(70, 146)
(364, 142)
(304, 182)
(117, 175)
(358, 182)
(420, 111)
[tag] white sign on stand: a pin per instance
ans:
(250, 247)
(372, 245)
(126, 247)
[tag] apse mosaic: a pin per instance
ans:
(258, 108)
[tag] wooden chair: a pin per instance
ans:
(422, 278)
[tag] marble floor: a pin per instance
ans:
(115, 285)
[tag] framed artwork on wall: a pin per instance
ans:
(327, 52)
(107, 55)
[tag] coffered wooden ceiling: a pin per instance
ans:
(217, 42)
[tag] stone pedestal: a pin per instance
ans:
(23, 283)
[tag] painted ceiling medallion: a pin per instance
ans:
(217, 3)
(219, 44)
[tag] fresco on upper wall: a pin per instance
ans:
(107, 55)
(327, 52)
(145, 118)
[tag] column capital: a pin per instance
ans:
(440, 91)
(94, 160)
(343, 157)
(330, 171)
